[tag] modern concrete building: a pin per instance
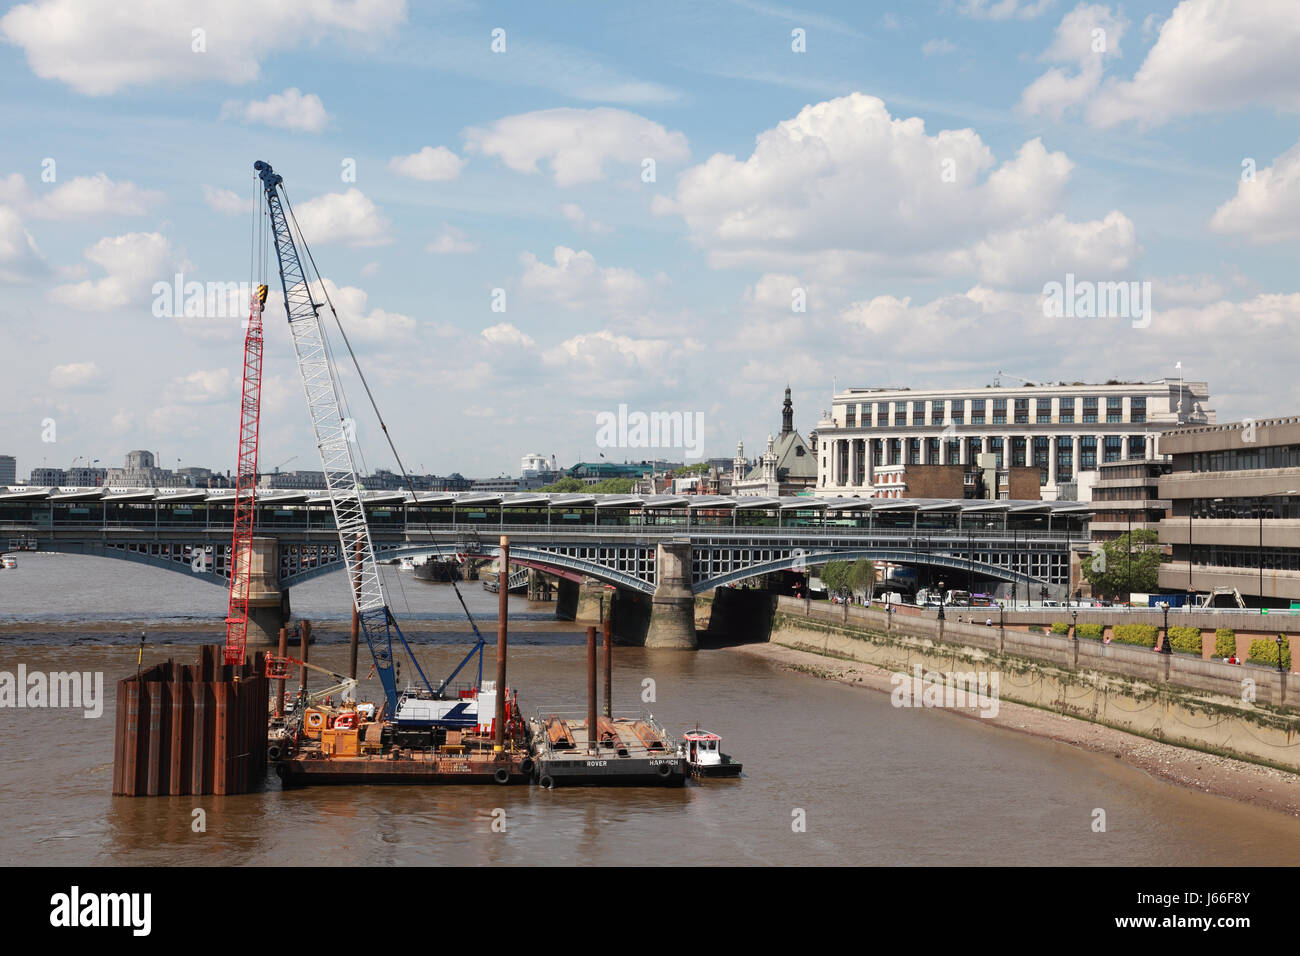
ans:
(8, 470)
(1234, 494)
(1062, 430)
(1125, 496)
(48, 477)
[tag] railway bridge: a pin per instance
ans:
(666, 547)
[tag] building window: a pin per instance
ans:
(936, 413)
(954, 450)
(1137, 409)
(1089, 410)
(1114, 409)
(958, 412)
(999, 411)
(1064, 459)
(914, 451)
(1066, 416)
(1018, 453)
(851, 416)
(1087, 453)
(893, 451)
(918, 413)
(1022, 411)
(1114, 447)
(995, 448)
(1137, 446)
(932, 450)
(973, 449)
(977, 412)
(900, 415)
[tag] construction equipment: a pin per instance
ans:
(421, 705)
(241, 544)
(997, 379)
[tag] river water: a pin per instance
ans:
(874, 784)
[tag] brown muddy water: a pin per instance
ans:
(876, 785)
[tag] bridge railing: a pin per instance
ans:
(695, 531)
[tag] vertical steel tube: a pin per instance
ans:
(608, 625)
(356, 619)
(304, 642)
(282, 652)
(591, 690)
(503, 613)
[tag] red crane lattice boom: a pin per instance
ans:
(241, 545)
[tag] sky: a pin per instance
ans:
(530, 214)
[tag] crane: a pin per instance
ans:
(997, 379)
(422, 706)
(241, 543)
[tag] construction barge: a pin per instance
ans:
(624, 751)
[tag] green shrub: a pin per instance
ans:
(1060, 627)
(1186, 639)
(1035, 629)
(1264, 651)
(1144, 635)
(1091, 631)
(1225, 642)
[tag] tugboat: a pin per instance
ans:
(704, 757)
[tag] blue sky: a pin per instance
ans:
(1115, 156)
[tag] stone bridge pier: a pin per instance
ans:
(672, 610)
(268, 603)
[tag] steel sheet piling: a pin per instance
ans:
(282, 652)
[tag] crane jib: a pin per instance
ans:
(324, 402)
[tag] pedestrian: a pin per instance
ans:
(988, 622)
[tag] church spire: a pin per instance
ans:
(787, 414)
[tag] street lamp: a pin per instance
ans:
(940, 600)
(1164, 647)
(1260, 553)
(1280, 668)
(1074, 625)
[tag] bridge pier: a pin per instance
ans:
(268, 604)
(672, 610)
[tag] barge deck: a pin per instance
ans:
(625, 752)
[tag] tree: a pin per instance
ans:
(565, 484)
(611, 486)
(1125, 565)
(844, 577)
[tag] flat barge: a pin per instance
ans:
(625, 752)
(311, 767)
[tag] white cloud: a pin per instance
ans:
(507, 335)
(97, 50)
(577, 280)
(78, 198)
(20, 260)
(451, 241)
(133, 263)
(288, 110)
(429, 164)
(200, 387)
(77, 376)
(348, 217)
(773, 290)
(226, 201)
(1032, 254)
(1266, 209)
(1004, 9)
(360, 323)
(843, 187)
(605, 350)
(938, 47)
(1087, 36)
(576, 143)
(1211, 55)
(574, 214)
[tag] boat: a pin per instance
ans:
(9, 563)
(626, 751)
(703, 754)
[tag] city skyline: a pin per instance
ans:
(1080, 204)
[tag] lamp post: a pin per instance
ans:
(1259, 560)
(1280, 668)
(940, 600)
(1164, 645)
(1074, 625)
